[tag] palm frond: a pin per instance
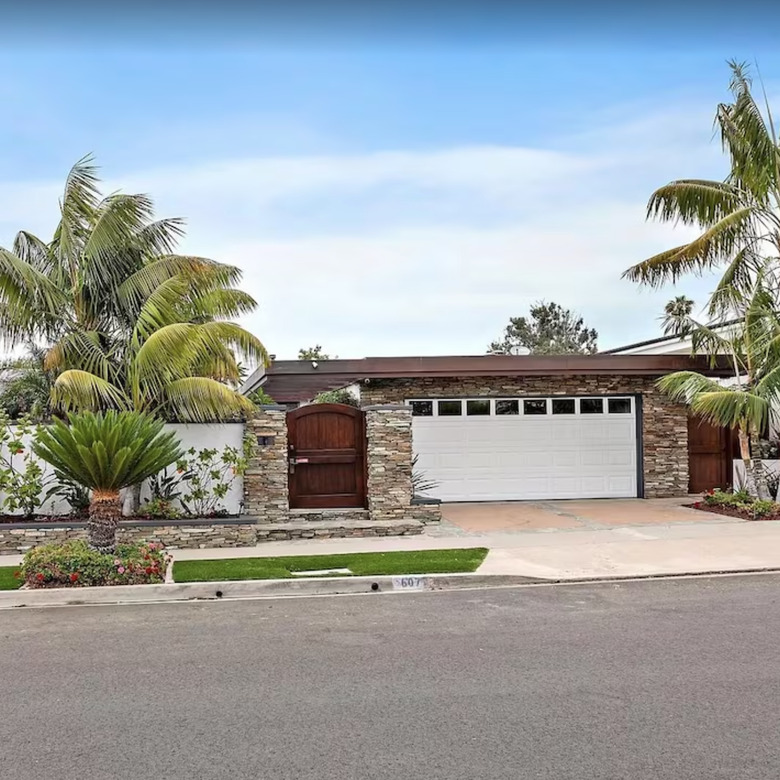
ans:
(82, 350)
(243, 343)
(200, 399)
(76, 389)
(695, 202)
(107, 451)
(160, 237)
(221, 303)
(747, 139)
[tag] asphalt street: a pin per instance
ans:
(648, 680)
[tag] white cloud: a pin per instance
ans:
(403, 252)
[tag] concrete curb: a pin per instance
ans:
(315, 586)
(248, 589)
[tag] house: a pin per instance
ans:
(507, 427)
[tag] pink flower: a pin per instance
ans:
(121, 569)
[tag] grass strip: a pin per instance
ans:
(7, 579)
(360, 564)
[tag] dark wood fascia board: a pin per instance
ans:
(348, 371)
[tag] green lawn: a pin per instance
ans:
(417, 562)
(7, 579)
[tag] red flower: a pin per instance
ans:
(39, 577)
(148, 569)
(17, 574)
(74, 577)
(697, 505)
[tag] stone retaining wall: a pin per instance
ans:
(664, 423)
(17, 538)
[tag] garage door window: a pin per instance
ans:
(507, 407)
(591, 406)
(450, 408)
(422, 408)
(535, 406)
(563, 406)
(619, 405)
(477, 408)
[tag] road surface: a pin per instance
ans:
(644, 680)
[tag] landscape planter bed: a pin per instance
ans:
(731, 511)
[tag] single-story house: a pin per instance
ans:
(506, 427)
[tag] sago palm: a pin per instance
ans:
(739, 218)
(106, 452)
(128, 323)
(745, 404)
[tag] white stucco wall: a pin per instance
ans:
(199, 436)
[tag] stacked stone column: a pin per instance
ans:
(389, 454)
(266, 492)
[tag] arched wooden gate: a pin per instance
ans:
(327, 457)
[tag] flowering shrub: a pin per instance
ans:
(75, 564)
(739, 500)
(22, 481)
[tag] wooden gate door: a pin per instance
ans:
(710, 460)
(327, 457)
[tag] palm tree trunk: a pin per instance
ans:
(747, 462)
(104, 513)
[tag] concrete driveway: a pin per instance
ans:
(575, 515)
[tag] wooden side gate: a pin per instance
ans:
(710, 460)
(327, 457)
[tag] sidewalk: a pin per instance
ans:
(682, 548)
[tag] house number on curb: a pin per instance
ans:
(410, 583)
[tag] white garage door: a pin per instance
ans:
(527, 448)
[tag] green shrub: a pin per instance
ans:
(740, 499)
(22, 479)
(159, 509)
(762, 508)
(76, 564)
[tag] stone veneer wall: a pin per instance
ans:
(18, 538)
(194, 534)
(266, 493)
(389, 461)
(664, 424)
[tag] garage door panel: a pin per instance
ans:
(516, 457)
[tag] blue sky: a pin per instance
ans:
(388, 192)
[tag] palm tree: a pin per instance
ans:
(745, 404)
(677, 314)
(106, 452)
(127, 323)
(739, 218)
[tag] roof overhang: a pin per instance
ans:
(294, 377)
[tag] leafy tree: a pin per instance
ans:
(550, 330)
(341, 396)
(739, 218)
(313, 353)
(677, 313)
(126, 323)
(753, 348)
(25, 389)
(106, 452)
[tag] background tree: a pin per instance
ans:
(739, 218)
(127, 323)
(550, 330)
(25, 386)
(677, 314)
(313, 353)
